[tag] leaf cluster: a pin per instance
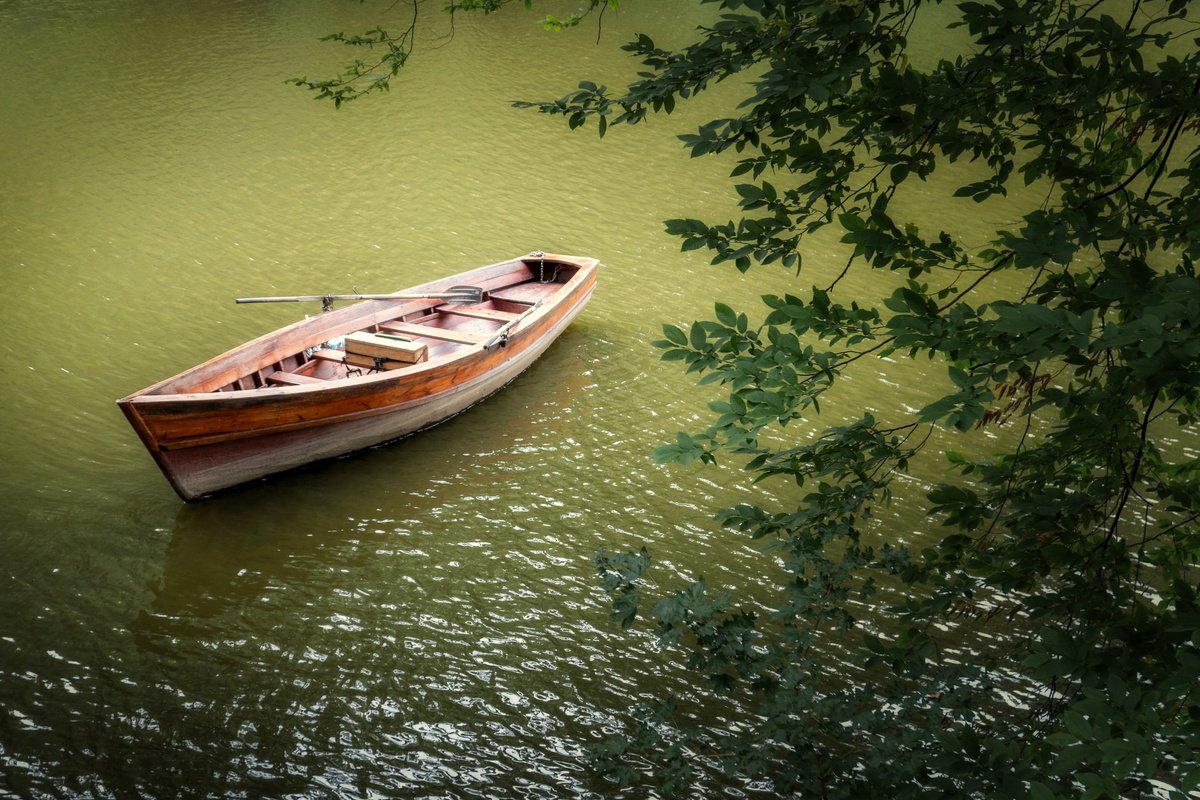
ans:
(1084, 526)
(388, 52)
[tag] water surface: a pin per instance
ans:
(419, 620)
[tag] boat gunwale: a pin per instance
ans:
(335, 419)
(364, 310)
(300, 425)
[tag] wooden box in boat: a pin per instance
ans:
(363, 348)
(284, 400)
(375, 362)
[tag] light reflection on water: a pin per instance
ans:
(418, 620)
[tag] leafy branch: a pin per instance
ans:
(390, 52)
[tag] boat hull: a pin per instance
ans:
(205, 442)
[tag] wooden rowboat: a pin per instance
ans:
(290, 398)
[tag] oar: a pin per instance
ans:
(458, 295)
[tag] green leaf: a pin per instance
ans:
(1040, 791)
(726, 315)
(674, 335)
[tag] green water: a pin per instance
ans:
(420, 620)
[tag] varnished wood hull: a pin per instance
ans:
(208, 434)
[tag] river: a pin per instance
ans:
(421, 620)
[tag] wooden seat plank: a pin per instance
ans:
(328, 354)
(428, 331)
(282, 378)
(478, 313)
(529, 292)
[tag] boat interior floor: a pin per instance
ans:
(443, 329)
